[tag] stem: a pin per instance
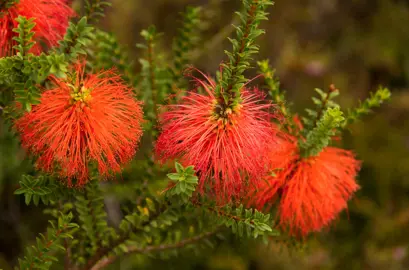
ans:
(49, 243)
(332, 88)
(231, 79)
(93, 217)
(244, 41)
(149, 249)
(68, 262)
(104, 251)
(220, 212)
(152, 75)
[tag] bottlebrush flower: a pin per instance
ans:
(93, 119)
(313, 190)
(51, 18)
(318, 190)
(228, 152)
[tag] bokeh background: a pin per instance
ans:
(355, 44)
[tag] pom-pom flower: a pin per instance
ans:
(91, 119)
(228, 152)
(51, 18)
(312, 190)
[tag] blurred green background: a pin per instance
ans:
(355, 44)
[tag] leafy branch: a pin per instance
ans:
(76, 37)
(38, 256)
(91, 213)
(41, 188)
(184, 43)
(94, 9)
(243, 222)
(322, 103)
(232, 80)
(185, 182)
(25, 35)
(273, 84)
(131, 225)
(320, 136)
(375, 100)
(157, 248)
(149, 71)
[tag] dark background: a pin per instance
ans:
(355, 44)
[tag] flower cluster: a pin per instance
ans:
(232, 140)
(312, 190)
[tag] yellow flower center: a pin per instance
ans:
(82, 95)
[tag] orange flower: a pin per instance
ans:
(318, 190)
(51, 18)
(93, 119)
(312, 191)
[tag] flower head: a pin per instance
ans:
(227, 152)
(318, 190)
(91, 119)
(313, 190)
(51, 18)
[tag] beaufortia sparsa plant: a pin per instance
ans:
(189, 158)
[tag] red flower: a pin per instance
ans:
(313, 190)
(93, 119)
(51, 18)
(318, 190)
(280, 159)
(226, 152)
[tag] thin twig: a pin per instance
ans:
(104, 251)
(149, 249)
(220, 212)
(151, 61)
(67, 262)
(324, 104)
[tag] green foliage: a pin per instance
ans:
(41, 255)
(94, 9)
(76, 37)
(25, 35)
(26, 93)
(96, 233)
(9, 70)
(320, 136)
(185, 182)
(375, 100)
(155, 78)
(322, 103)
(273, 84)
(232, 80)
(173, 243)
(276, 94)
(184, 43)
(41, 188)
(105, 53)
(243, 222)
